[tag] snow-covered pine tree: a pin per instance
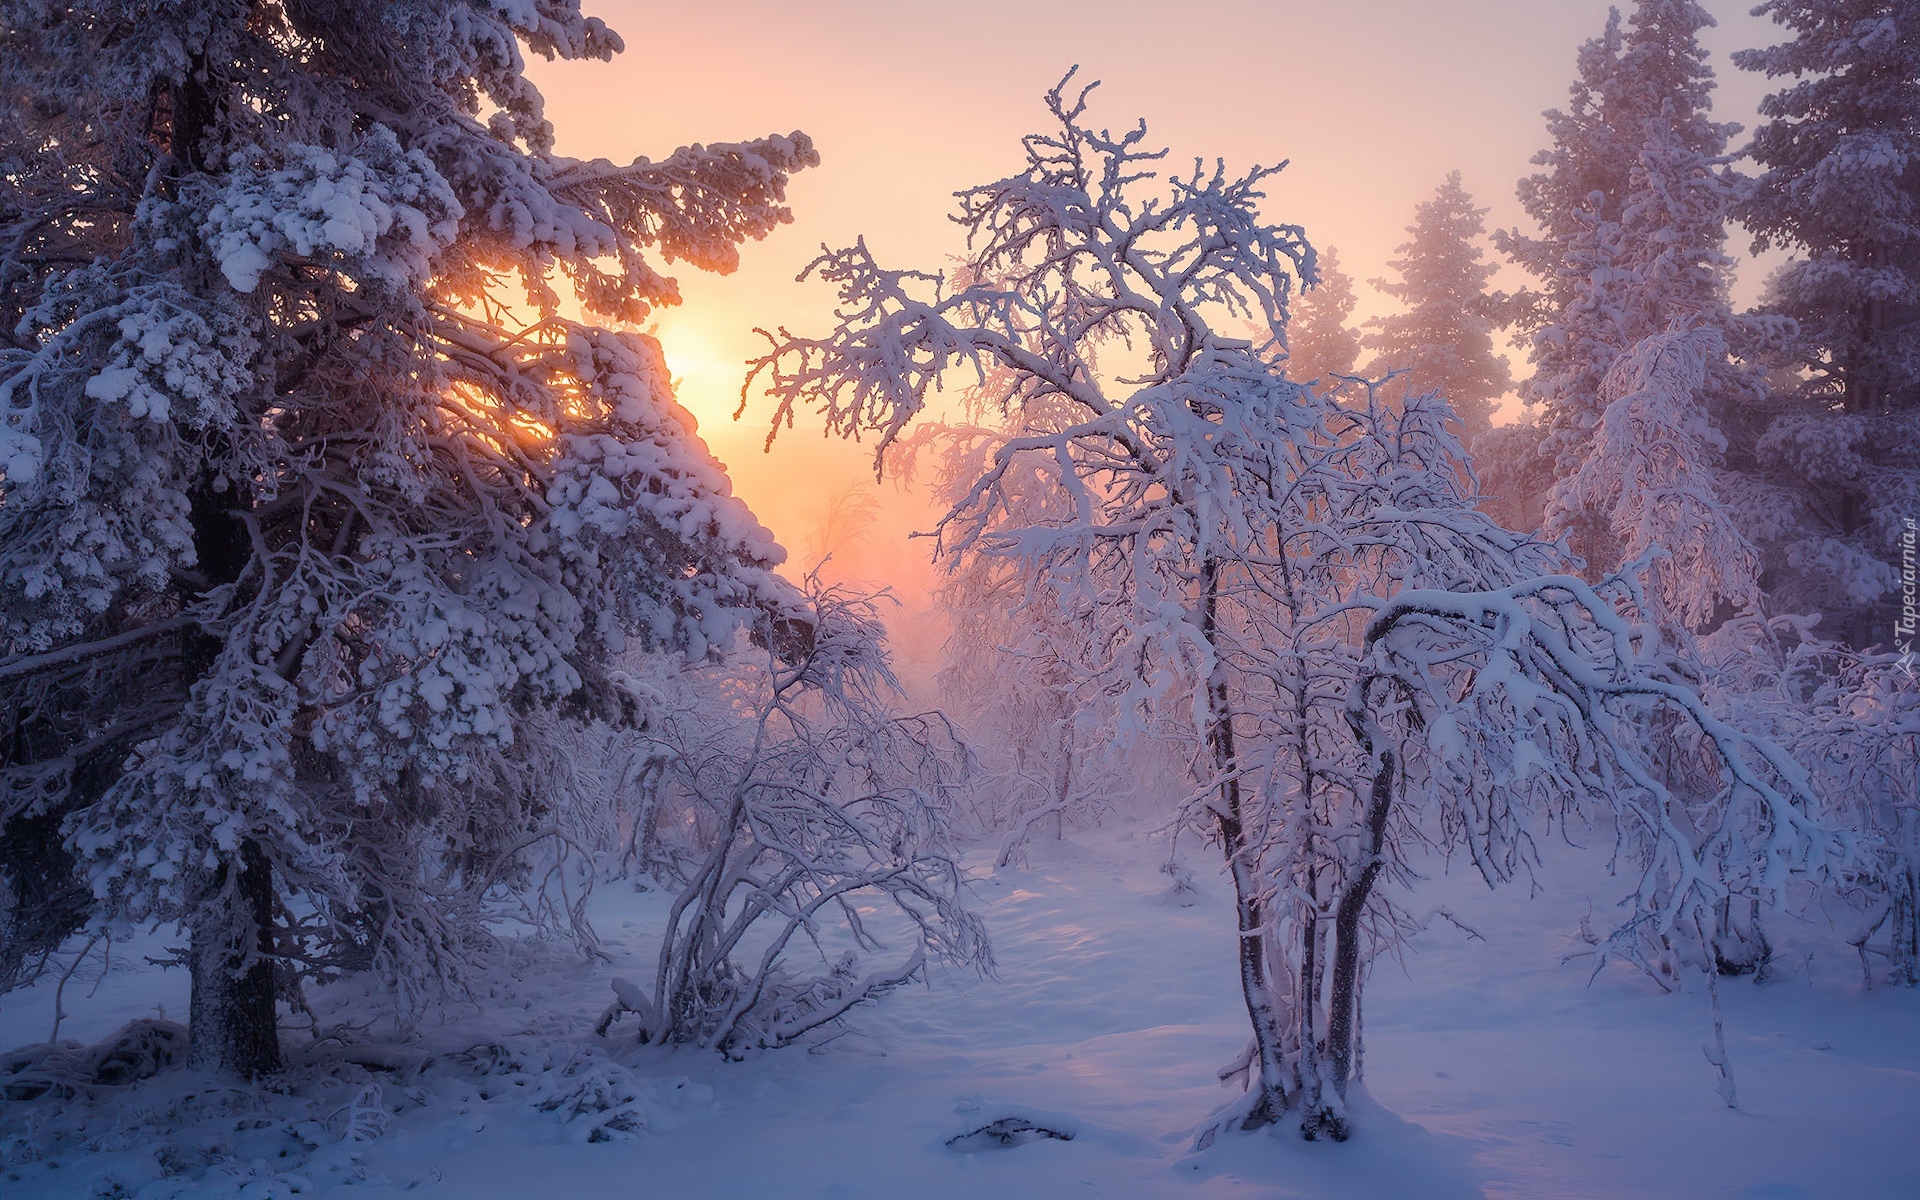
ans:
(1632, 216)
(1585, 171)
(1444, 339)
(1363, 659)
(1645, 86)
(1320, 343)
(311, 492)
(1838, 466)
(1648, 480)
(1842, 187)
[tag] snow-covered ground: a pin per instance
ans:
(1494, 1069)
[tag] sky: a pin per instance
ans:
(1371, 102)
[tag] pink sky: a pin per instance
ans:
(1372, 101)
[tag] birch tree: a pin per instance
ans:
(1307, 581)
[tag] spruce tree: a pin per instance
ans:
(1320, 343)
(1837, 467)
(1632, 213)
(316, 512)
(1444, 341)
(1842, 190)
(1636, 140)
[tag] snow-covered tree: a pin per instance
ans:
(1836, 462)
(1360, 655)
(315, 506)
(1854, 719)
(1632, 218)
(1320, 343)
(1639, 105)
(1444, 339)
(1515, 478)
(1052, 753)
(1842, 187)
(811, 821)
(1648, 480)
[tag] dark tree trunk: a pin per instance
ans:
(1345, 999)
(233, 1026)
(1268, 1072)
(232, 1023)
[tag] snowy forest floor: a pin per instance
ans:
(1493, 1068)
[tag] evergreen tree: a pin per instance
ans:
(1632, 213)
(1842, 188)
(1836, 469)
(1320, 343)
(1444, 341)
(314, 510)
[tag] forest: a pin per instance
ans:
(1135, 713)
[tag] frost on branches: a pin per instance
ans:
(1053, 751)
(311, 519)
(1358, 656)
(1650, 474)
(1854, 719)
(796, 816)
(1631, 209)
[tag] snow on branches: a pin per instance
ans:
(1650, 473)
(277, 428)
(791, 807)
(1228, 538)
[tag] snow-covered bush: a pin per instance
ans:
(803, 823)
(1854, 720)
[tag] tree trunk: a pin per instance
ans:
(1241, 863)
(232, 1024)
(1063, 775)
(1346, 929)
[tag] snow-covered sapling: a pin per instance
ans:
(813, 824)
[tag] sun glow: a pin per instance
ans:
(706, 376)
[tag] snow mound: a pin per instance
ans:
(63, 1069)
